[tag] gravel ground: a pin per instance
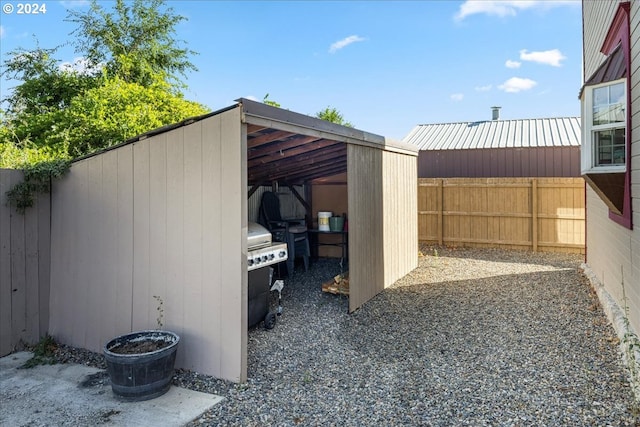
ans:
(479, 337)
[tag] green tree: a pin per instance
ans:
(135, 42)
(128, 85)
(119, 110)
(12, 157)
(45, 86)
(332, 115)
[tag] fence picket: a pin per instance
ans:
(504, 211)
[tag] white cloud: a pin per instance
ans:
(485, 88)
(549, 57)
(457, 97)
(1, 31)
(504, 8)
(252, 98)
(74, 3)
(345, 42)
(82, 66)
(512, 64)
(517, 84)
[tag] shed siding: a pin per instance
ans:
(24, 268)
(400, 207)
(383, 228)
(148, 219)
(612, 250)
(366, 237)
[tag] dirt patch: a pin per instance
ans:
(140, 346)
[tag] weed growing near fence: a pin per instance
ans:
(160, 310)
(43, 353)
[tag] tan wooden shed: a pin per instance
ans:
(163, 218)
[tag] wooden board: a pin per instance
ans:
(338, 285)
(541, 214)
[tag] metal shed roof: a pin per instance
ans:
(294, 148)
(521, 133)
(289, 147)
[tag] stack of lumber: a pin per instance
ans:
(338, 285)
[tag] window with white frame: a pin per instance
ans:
(605, 128)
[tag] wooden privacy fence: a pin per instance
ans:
(539, 214)
(24, 268)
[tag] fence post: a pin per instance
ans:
(534, 214)
(440, 206)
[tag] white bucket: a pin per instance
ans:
(323, 220)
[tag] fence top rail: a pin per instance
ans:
(505, 179)
(487, 185)
(502, 182)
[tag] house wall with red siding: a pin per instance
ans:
(558, 162)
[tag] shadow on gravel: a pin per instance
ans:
(511, 316)
(530, 348)
(470, 337)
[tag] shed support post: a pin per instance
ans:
(308, 194)
(534, 214)
(302, 201)
(440, 208)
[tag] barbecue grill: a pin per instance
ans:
(261, 254)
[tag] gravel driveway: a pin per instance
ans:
(471, 337)
(476, 337)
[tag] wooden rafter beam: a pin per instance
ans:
(299, 173)
(267, 138)
(255, 128)
(309, 157)
(276, 147)
(319, 173)
(293, 152)
(298, 163)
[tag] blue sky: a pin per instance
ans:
(385, 65)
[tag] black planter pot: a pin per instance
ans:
(141, 376)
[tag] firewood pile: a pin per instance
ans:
(338, 285)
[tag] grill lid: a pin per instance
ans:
(257, 236)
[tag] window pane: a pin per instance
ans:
(601, 95)
(609, 104)
(617, 93)
(617, 102)
(609, 147)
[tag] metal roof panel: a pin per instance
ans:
(526, 133)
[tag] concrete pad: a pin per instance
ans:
(78, 395)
